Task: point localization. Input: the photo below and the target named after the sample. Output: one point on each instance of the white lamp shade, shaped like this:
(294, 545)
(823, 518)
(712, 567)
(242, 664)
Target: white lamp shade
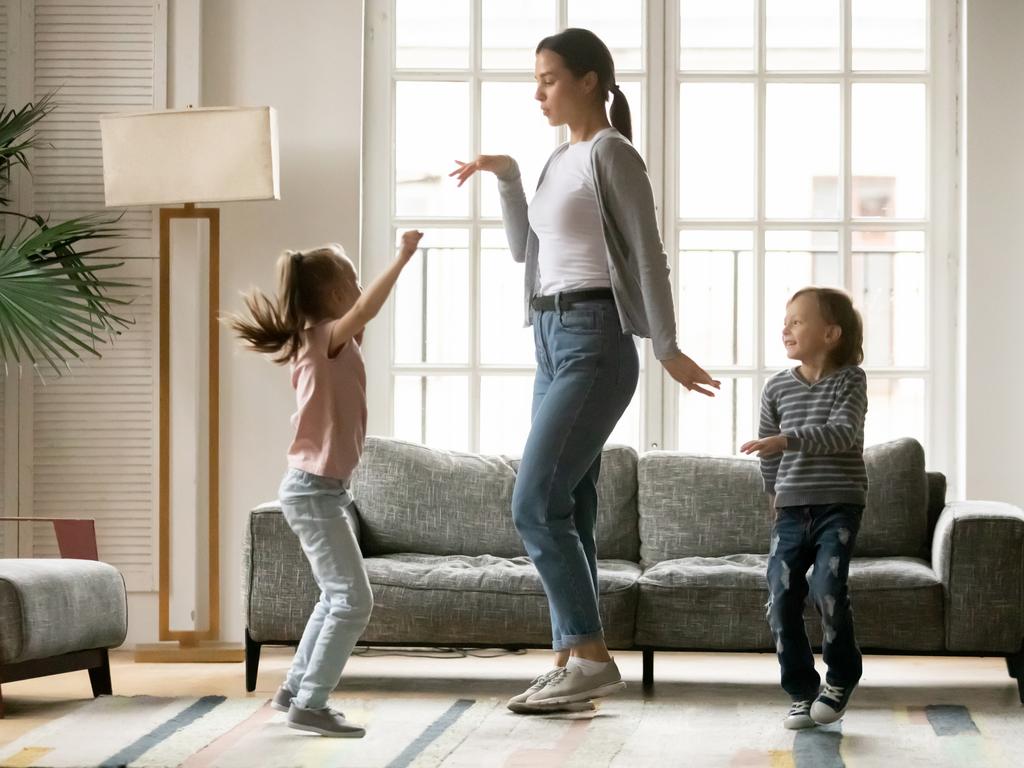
(190, 156)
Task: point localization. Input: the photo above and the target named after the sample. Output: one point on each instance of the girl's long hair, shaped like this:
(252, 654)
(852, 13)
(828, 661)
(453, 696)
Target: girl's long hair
(837, 308)
(306, 281)
(583, 51)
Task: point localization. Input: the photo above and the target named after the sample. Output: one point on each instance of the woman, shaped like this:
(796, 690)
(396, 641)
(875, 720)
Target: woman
(596, 275)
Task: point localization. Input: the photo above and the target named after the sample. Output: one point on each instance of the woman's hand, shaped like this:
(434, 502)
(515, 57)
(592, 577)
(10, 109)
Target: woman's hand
(496, 164)
(767, 446)
(690, 375)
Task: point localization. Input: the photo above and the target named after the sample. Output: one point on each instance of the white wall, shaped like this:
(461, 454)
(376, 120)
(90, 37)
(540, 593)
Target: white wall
(992, 269)
(305, 60)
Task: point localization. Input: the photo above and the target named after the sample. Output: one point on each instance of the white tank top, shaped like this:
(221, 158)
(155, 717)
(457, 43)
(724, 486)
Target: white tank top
(567, 219)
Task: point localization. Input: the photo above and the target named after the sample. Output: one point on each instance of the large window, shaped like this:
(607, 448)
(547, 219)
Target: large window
(790, 142)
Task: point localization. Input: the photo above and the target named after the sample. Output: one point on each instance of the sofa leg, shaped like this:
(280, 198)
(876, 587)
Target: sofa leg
(100, 677)
(1015, 666)
(252, 661)
(648, 669)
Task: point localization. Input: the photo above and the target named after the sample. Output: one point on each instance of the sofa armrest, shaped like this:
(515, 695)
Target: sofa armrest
(978, 554)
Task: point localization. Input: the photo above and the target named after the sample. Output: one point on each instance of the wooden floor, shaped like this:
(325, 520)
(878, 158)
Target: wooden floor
(31, 703)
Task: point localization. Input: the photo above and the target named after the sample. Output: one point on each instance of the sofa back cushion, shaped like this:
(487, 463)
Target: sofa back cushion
(705, 506)
(692, 506)
(417, 499)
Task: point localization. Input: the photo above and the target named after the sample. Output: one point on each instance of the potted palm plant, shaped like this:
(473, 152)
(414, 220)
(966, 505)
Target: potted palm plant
(54, 307)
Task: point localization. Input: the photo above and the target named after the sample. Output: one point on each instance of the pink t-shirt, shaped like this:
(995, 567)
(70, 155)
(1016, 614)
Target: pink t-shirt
(330, 423)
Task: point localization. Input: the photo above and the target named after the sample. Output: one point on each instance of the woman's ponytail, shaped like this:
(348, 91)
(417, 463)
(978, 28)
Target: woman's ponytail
(619, 113)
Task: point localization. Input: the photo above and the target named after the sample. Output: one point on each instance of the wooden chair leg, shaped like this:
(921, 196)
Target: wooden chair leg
(100, 677)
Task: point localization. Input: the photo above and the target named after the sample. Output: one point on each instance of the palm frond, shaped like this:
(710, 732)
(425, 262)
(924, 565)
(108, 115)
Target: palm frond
(53, 306)
(15, 139)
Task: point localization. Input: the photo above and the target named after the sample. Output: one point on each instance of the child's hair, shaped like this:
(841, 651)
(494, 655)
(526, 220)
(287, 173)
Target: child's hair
(306, 281)
(583, 51)
(837, 308)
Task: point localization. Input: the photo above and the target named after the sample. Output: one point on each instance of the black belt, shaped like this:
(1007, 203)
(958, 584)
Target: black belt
(566, 299)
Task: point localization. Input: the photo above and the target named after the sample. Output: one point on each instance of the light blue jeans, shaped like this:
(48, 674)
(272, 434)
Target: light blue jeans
(587, 371)
(317, 510)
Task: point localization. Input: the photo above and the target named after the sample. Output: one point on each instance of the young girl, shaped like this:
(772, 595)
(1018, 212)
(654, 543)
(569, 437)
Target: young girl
(316, 324)
(811, 448)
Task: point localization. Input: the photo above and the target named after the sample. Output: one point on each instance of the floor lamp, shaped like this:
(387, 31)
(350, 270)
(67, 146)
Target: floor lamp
(190, 156)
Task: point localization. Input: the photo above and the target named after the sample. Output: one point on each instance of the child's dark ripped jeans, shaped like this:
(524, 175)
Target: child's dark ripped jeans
(822, 536)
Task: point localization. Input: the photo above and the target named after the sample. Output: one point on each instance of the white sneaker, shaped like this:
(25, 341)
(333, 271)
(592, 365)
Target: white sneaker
(570, 685)
(799, 716)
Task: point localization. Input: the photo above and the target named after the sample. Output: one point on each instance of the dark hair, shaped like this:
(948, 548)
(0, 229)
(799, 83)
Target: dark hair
(583, 51)
(305, 280)
(837, 308)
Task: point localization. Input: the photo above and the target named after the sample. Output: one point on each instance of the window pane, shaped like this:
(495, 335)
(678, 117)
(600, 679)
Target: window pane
(503, 339)
(802, 34)
(716, 150)
(889, 150)
(627, 431)
(433, 410)
(889, 279)
(425, 148)
(505, 403)
(802, 151)
(889, 34)
(619, 24)
(794, 260)
(432, 35)
(719, 425)
(896, 408)
(716, 296)
(511, 123)
(432, 301)
(511, 32)
(716, 35)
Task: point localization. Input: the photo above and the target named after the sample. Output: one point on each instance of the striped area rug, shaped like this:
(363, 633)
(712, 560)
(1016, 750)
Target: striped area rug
(703, 728)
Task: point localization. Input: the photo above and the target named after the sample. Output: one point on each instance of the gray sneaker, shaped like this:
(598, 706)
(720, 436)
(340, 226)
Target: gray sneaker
(571, 685)
(282, 699)
(326, 722)
(538, 682)
(799, 716)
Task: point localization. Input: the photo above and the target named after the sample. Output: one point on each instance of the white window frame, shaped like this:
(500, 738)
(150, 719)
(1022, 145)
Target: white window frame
(659, 418)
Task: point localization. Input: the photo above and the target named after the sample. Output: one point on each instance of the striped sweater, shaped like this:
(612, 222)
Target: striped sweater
(824, 427)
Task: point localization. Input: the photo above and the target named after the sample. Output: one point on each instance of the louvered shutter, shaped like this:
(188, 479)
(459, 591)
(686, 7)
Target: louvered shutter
(93, 434)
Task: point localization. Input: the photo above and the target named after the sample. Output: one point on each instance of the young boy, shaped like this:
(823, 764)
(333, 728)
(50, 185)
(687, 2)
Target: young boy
(811, 445)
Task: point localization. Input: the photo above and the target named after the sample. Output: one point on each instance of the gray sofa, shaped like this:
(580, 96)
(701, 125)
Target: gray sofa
(682, 542)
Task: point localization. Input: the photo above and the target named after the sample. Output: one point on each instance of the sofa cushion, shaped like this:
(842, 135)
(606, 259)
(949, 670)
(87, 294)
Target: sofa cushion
(896, 516)
(49, 607)
(692, 506)
(720, 603)
(483, 600)
(417, 499)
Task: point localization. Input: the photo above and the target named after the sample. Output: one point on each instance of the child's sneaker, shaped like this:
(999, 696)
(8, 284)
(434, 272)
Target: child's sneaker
(326, 722)
(831, 703)
(799, 716)
(282, 699)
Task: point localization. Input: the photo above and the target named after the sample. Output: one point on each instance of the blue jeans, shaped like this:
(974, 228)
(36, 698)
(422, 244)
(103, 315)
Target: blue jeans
(822, 536)
(316, 509)
(587, 371)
